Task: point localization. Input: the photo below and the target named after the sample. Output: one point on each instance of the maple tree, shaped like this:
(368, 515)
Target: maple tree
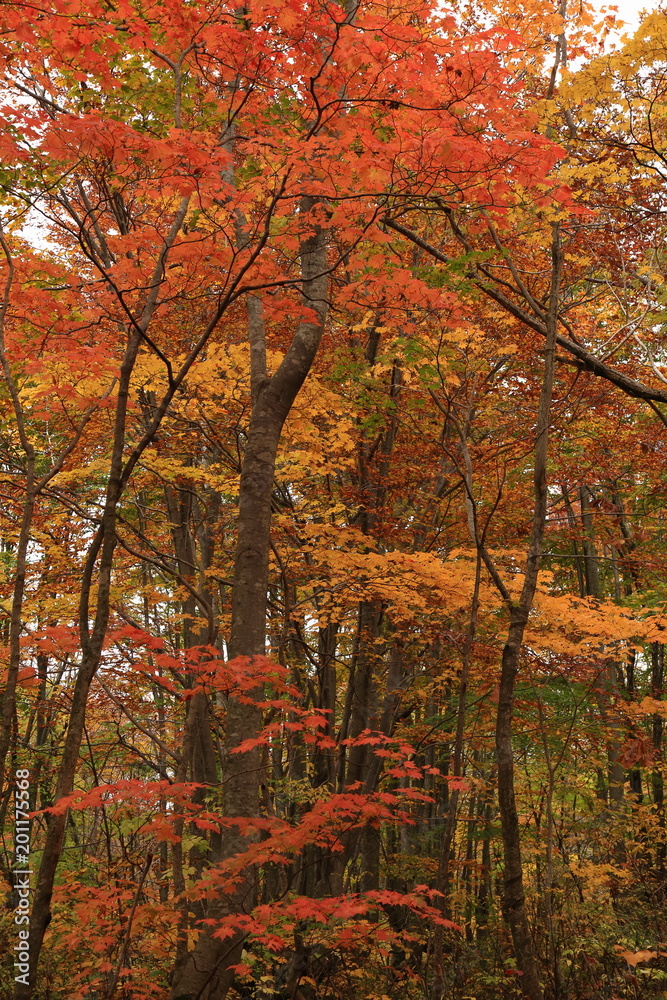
(331, 465)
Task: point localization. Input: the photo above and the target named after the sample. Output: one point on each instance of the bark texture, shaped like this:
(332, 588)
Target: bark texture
(206, 973)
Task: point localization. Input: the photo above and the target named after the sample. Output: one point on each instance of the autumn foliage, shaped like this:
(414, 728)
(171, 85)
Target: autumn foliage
(332, 533)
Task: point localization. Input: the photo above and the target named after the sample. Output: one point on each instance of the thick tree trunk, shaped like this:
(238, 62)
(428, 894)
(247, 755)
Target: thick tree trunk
(206, 973)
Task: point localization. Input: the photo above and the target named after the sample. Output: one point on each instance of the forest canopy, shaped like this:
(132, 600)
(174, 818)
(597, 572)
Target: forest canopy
(333, 452)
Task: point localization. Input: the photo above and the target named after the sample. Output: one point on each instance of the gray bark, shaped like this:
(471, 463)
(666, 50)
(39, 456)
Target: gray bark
(206, 973)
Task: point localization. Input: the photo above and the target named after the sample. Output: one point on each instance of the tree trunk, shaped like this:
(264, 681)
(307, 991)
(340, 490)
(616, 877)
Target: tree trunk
(206, 973)
(443, 877)
(99, 565)
(514, 904)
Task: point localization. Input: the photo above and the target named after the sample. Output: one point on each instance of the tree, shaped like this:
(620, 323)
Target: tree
(182, 168)
(277, 492)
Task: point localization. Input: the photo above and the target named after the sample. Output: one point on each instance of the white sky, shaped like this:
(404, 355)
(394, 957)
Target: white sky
(629, 10)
